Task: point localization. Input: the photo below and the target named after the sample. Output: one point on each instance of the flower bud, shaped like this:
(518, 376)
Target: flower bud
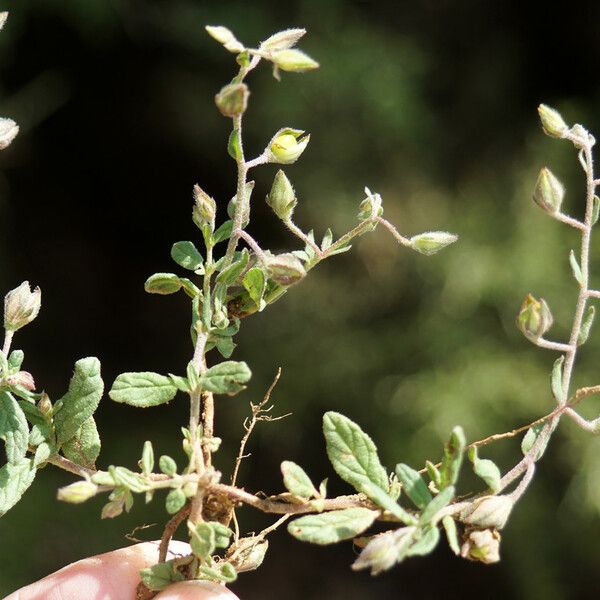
(552, 122)
(293, 60)
(370, 207)
(534, 318)
(247, 554)
(77, 492)
(21, 306)
(581, 137)
(282, 198)
(232, 100)
(8, 132)
(287, 145)
(432, 241)
(488, 512)
(205, 208)
(482, 546)
(3, 17)
(23, 379)
(285, 269)
(232, 205)
(549, 192)
(45, 405)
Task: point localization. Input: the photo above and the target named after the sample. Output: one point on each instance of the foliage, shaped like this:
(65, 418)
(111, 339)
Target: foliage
(232, 284)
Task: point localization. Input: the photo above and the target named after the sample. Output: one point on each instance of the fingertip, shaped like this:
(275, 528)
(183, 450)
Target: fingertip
(196, 590)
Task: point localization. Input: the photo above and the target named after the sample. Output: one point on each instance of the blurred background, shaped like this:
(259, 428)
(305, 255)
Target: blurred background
(432, 103)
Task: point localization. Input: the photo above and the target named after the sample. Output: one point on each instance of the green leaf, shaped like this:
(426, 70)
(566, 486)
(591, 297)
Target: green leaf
(255, 282)
(147, 461)
(223, 232)
(233, 271)
(486, 469)
(442, 499)
(530, 438)
(226, 346)
(297, 481)
(586, 326)
(453, 457)
(225, 572)
(186, 255)
(234, 146)
(595, 210)
(352, 452)
(222, 534)
(15, 360)
(13, 428)
(160, 576)
(127, 479)
(434, 474)
(142, 389)
(426, 543)
(42, 453)
(451, 534)
(84, 447)
(175, 501)
(163, 284)
(167, 465)
(181, 383)
(14, 481)
(81, 401)
(575, 268)
(413, 485)
(556, 379)
(226, 378)
(332, 527)
(202, 540)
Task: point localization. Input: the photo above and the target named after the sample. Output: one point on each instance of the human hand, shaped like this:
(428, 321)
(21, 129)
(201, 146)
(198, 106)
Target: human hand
(115, 576)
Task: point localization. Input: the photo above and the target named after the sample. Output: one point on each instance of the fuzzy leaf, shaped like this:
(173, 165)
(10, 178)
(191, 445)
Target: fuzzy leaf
(233, 271)
(575, 268)
(175, 501)
(82, 399)
(451, 533)
(143, 389)
(84, 447)
(202, 540)
(226, 378)
(332, 527)
(453, 457)
(352, 452)
(556, 379)
(586, 326)
(14, 481)
(441, 500)
(486, 469)
(426, 543)
(186, 255)
(530, 438)
(160, 576)
(297, 481)
(223, 232)
(255, 282)
(413, 485)
(13, 428)
(163, 284)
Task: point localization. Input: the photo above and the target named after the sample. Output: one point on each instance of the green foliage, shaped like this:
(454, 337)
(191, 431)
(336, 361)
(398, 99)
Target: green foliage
(296, 480)
(226, 378)
(186, 255)
(81, 401)
(15, 478)
(143, 389)
(84, 447)
(13, 428)
(332, 527)
(486, 469)
(160, 576)
(413, 485)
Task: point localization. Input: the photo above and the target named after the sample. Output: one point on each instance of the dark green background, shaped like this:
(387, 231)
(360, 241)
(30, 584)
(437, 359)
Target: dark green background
(432, 104)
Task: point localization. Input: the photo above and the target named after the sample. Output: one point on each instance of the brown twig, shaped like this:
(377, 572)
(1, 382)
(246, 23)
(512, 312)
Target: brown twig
(170, 529)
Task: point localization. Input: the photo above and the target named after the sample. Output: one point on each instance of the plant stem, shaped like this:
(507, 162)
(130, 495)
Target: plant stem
(300, 234)
(8, 336)
(253, 245)
(527, 461)
(170, 529)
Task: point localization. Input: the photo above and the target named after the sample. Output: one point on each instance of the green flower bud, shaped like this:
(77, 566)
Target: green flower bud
(232, 205)
(285, 269)
(370, 207)
(488, 512)
(549, 192)
(282, 198)
(77, 492)
(432, 241)
(552, 122)
(482, 546)
(232, 100)
(534, 318)
(581, 136)
(205, 208)
(293, 60)
(287, 145)
(8, 132)
(21, 306)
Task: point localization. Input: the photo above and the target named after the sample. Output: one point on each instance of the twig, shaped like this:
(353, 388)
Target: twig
(543, 343)
(300, 234)
(170, 529)
(569, 221)
(256, 410)
(399, 238)
(253, 244)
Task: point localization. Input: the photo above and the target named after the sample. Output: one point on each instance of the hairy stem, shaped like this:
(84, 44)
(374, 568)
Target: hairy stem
(8, 336)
